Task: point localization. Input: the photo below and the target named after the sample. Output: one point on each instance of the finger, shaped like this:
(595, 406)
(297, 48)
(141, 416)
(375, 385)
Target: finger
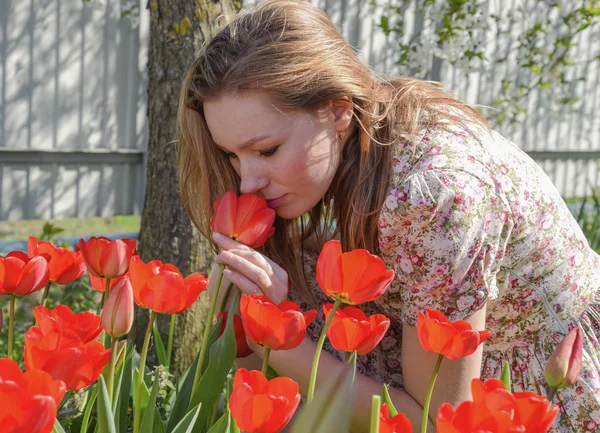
(244, 266)
(227, 243)
(244, 284)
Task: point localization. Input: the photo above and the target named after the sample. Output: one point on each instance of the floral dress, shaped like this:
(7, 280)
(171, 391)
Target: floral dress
(470, 220)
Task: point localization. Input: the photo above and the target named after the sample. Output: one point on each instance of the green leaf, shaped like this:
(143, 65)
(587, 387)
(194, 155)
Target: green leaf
(145, 391)
(187, 423)
(57, 427)
(505, 376)
(160, 347)
(331, 408)
(387, 400)
(210, 386)
(148, 418)
(222, 425)
(385, 24)
(106, 420)
(87, 412)
(212, 338)
(124, 391)
(184, 392)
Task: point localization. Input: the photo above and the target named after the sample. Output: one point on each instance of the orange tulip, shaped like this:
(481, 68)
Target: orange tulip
(63, 345)
(21, 275)
(351, 330)
(245, 219)
(278, 327)
(105, 258)
(117, 314)
(65, 265)
(243, 350)
(564, 365)
(29, 400)
(259, 405)
(161, 287)
(86, 326)
(451, 339)
(354, 277)
(399, 423)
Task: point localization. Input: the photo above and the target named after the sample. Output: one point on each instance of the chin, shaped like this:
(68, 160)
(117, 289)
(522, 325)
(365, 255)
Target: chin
(289, 212)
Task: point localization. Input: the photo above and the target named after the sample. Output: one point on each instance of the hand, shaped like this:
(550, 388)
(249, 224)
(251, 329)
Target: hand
(251, 271)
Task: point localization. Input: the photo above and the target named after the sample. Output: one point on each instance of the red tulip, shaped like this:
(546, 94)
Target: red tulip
(451, 339)
(243, 350)
(354, 277)
(564, 365)
(105, 258)
(399, 423)
(534, 412)
(161, 287)
(278, 327)
(351, 330)
(86, 326)
(65, 265)
(259, 405)
(20, 275)
(29, 400)
(117, 315)
(63, 345)
(99, 283)
(246, 218)
(496, 410)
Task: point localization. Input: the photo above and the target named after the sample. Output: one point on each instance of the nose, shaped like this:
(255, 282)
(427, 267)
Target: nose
(253, 177)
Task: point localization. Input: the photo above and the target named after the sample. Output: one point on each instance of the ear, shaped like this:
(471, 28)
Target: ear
(342, 111)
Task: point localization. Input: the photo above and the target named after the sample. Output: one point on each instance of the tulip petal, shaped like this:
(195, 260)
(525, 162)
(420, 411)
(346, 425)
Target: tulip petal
(329, 268)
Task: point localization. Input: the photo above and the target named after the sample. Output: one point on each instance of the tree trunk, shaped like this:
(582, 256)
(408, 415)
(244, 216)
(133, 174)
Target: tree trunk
(177, 30)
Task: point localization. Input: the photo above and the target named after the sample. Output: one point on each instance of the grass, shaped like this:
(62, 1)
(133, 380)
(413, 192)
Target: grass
(20, 230)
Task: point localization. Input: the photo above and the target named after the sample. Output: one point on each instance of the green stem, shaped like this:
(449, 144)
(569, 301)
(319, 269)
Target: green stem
(375, 409)
(110, 372)
(224, 299)
(11, 325)
(45, 295)
(265, 363)
(351, 359)
(551, 393)
(170, 342)
(105, 338)
(315, 364)
(436, 369)
(138, 396)
(207, 328)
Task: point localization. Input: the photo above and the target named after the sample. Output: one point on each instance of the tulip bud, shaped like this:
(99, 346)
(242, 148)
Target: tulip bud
(117, 315)
(564, 365)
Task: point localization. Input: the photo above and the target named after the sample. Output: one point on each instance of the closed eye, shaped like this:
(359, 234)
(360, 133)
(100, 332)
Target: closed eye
(270, 151)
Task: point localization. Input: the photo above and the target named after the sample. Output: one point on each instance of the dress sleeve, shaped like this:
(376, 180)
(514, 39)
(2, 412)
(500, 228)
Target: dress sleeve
(444, 232)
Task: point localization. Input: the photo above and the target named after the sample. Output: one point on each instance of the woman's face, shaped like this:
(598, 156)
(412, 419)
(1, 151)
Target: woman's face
(289, 159)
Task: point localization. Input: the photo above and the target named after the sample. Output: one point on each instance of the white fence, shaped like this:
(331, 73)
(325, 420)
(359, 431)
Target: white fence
(73, 126)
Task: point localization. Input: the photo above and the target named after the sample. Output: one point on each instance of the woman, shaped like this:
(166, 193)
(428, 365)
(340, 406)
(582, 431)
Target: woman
(279, 105)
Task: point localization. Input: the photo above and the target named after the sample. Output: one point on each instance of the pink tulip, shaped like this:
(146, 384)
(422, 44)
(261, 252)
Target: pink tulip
(117, 315)
(564, 365)
(105, 258)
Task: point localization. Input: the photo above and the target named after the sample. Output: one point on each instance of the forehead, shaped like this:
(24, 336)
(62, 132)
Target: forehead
(233, 118)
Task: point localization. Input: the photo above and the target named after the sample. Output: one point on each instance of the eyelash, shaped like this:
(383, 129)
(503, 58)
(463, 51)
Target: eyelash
(266, 153)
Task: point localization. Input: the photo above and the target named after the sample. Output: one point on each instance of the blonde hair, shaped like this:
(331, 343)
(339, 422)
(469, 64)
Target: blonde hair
(291, 50)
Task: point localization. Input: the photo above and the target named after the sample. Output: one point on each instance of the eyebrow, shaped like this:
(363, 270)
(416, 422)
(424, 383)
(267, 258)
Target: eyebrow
(250, 141)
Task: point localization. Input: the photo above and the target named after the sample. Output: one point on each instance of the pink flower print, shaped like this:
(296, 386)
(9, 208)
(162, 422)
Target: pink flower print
(590, 425)
(471, 158)
(546, 221)
(445, 180)
(440, 270)
(402, 195)
(503, 216)
(435, 150)
(406, 265)
(416, 260)
(526, 195)
(503, 169)
(459, 197)
(579, 390)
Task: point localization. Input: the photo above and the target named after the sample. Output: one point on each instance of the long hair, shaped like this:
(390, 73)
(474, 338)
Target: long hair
(291, 50)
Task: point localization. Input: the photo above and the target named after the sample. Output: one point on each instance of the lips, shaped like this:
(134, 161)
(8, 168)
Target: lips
(274, 202)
